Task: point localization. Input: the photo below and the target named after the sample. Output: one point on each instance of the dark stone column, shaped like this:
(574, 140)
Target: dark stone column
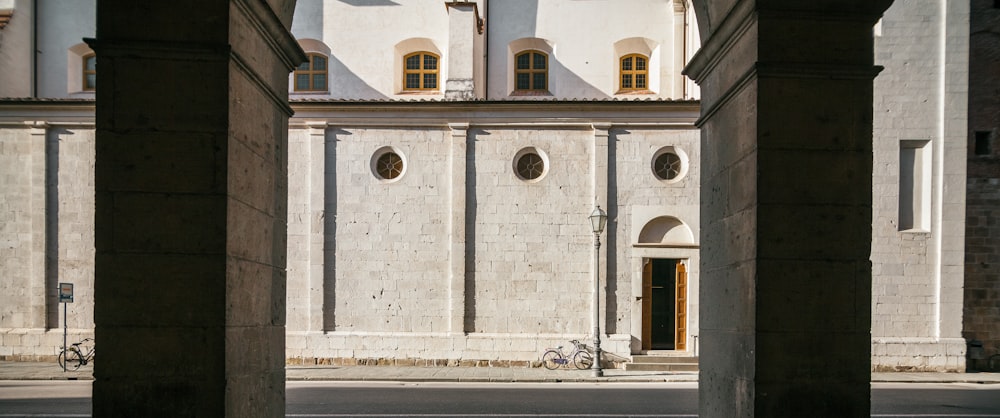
(786, 207)
(191, 203)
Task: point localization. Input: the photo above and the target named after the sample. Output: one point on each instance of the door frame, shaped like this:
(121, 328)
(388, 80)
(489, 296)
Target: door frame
(688, 256)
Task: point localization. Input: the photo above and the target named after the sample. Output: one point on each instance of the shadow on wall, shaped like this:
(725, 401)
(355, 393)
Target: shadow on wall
(308, 22)
(471, 203)
(569, 85)
(359, 3)
(341, 76)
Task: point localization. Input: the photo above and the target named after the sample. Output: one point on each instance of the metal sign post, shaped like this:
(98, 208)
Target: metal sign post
(65, 296)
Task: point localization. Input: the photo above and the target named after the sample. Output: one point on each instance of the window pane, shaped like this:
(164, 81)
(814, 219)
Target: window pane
(91, 63)
(413, 62)
(640, 63)
(301, 82)
(91, 81)
(538, 82)
(539, 61)
(627, 64)
(430, 62)
(303, 66)
(413, 81)
(319, 63)
(626, 81)
(523, 61)
(430, 81)
(640, 81)
(523, 81)
(319, 82)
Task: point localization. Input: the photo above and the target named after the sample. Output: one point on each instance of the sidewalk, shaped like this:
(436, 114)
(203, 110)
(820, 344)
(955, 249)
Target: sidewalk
(51, 371)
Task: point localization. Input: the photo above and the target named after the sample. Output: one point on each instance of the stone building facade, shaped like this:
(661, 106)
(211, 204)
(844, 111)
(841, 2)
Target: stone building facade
(440, 181)
(982, 232)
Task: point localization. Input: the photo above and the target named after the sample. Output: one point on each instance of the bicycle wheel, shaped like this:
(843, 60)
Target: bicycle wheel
(583, 360)
(70, 359)
(550, 359)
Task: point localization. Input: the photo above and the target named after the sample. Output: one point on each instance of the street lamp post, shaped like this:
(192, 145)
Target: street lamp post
(597, 221)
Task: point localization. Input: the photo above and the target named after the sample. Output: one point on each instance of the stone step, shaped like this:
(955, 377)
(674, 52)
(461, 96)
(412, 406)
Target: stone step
(663, 364)
(664, 359)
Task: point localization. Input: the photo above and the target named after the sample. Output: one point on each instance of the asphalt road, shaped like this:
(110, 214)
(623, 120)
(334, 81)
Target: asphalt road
(65, 399)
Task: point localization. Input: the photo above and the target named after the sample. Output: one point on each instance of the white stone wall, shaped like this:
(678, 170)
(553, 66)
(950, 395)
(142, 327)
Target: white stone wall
(918, 274)
(391, 249)
(641, 197)
(21, 269)
(533, 245)
(46, 237)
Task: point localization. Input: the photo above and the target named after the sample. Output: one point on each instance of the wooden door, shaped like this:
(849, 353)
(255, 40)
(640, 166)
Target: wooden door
(647, 305)
(680, 326)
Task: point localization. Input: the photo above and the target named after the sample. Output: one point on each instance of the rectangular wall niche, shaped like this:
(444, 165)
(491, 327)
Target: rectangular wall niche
(914, 185)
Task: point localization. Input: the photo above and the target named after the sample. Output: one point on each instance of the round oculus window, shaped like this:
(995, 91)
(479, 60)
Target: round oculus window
(667, 166)
(389, 165)
(530, 166)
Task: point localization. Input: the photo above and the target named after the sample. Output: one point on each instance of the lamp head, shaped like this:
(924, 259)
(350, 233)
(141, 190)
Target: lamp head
(598, 218)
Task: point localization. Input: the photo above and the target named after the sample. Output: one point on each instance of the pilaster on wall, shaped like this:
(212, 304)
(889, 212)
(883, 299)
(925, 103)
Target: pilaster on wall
(786, 208)
(600, 168)
(317, 224)
(42, 312)
(457, 159)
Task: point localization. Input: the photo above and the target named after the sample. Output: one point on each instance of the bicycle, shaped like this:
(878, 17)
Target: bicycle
(552, 358)
(993, 363)
(76, 356)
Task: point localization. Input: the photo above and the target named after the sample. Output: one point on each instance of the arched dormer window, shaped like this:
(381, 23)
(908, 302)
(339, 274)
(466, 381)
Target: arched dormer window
(531, 71)
(634, 70)
(89, 73)
(312, 75)
(420, 71)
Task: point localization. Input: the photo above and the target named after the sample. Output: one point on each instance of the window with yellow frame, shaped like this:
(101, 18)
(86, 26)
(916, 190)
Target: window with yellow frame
(420, 71)
(312, 75)
(634, 72)
(89, 72)
(531, 71)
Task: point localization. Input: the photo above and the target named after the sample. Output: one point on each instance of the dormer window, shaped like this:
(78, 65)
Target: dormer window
(634, 71)
(531, 70)
(312, 74)
(420, 71)
(89, 80)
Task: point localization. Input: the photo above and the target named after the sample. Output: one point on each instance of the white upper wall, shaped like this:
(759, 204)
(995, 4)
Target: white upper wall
(367, 38)
(62, 25)
(582, 35)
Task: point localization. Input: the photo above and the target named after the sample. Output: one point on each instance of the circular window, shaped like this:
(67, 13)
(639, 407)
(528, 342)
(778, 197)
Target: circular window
(669, 164)
(530, 164)
(388, 164)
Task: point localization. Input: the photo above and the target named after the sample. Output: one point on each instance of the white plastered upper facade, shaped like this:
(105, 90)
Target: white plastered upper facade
(584, 43)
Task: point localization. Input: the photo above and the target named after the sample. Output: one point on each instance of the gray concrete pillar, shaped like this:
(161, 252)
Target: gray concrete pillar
(786, 207)
(192, 123)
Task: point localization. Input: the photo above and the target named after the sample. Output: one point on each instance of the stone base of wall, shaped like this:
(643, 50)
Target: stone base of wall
(35, 344)
(918, 355)
(438, 349)
(411, 362)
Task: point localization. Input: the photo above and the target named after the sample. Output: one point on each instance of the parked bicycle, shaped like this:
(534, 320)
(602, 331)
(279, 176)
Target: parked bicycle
(77, 355)
(581, 358)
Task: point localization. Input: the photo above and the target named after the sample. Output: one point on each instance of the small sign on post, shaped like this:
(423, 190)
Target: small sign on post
(65, 296)
(65, 292)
